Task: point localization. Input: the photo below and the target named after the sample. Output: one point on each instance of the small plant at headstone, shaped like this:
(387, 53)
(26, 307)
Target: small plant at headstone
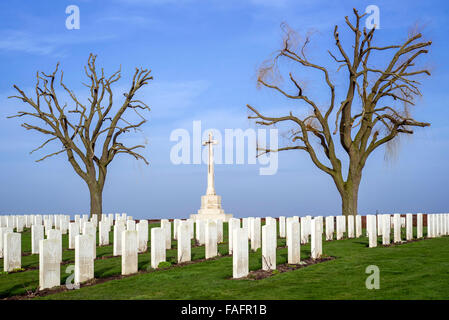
(164, 265)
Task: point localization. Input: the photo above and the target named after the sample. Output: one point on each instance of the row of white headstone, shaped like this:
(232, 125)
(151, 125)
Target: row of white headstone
(10, 241)
(296, 230)
(82, 238)
(384, 224)
(19, 222)
(130, 238)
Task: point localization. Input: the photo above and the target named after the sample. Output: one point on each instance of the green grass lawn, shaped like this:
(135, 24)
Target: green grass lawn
(416, 270)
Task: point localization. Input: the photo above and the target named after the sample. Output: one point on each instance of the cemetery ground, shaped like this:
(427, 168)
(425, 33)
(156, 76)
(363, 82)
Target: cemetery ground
(413, 270)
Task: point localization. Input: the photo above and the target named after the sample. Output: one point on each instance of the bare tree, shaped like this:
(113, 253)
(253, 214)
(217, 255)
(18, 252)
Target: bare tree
(80, 126)
(375, 109)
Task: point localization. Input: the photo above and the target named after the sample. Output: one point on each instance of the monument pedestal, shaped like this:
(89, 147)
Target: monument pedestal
(211, 209)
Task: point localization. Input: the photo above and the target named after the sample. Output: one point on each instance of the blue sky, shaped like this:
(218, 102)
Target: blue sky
(204, 56)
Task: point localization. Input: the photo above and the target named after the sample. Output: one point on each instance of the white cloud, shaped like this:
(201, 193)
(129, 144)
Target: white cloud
(48, 45)
(172, 99)
(129, 19)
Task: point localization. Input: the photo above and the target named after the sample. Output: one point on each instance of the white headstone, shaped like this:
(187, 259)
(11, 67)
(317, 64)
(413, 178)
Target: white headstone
(64, 225)
(433, 226)
(446, 224)
(74, 230)
(49, 263)
(48, 226)
(330, 228)
(316, 243)
(12, 251)
(409, 226)
(211, 239)
(219, 230)
(184, 244)
(240, 253)
(419, 225)
(10, 222)
(57, 220)
(129, 252)
(142, 235)
(250, 223)
(269, 245)
(130, 225)
(84, 259)
(175, 228)
(270, 220)
(294, 242)
(379, 224)
(282, 227)
(397, 228)
(385, 220)
(191, 223)
(341, 221)
(111, 219)
(233, 224)
(351, 226)
(117, 245)
(90, 228)
(358, 226)
(158, 241)
(255, 225)
(372, 230)
(28, 219)
(443, 223)
(37, 234)
(20, 223)
(103, 233)
(304, 230)
(3, 231)
(166, 225)
(56, 235)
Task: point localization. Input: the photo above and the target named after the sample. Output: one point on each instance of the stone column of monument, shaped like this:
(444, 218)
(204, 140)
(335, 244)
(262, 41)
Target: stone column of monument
(211, 202)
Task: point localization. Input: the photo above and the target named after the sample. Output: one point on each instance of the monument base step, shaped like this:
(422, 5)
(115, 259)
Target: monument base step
(224, 216)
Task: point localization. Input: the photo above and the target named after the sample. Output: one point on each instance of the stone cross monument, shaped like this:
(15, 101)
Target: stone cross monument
(210, 203)
(210, 165)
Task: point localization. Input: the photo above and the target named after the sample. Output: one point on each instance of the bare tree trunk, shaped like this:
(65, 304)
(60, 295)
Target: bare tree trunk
(96, 200)
(350, 194)
(349, 203)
